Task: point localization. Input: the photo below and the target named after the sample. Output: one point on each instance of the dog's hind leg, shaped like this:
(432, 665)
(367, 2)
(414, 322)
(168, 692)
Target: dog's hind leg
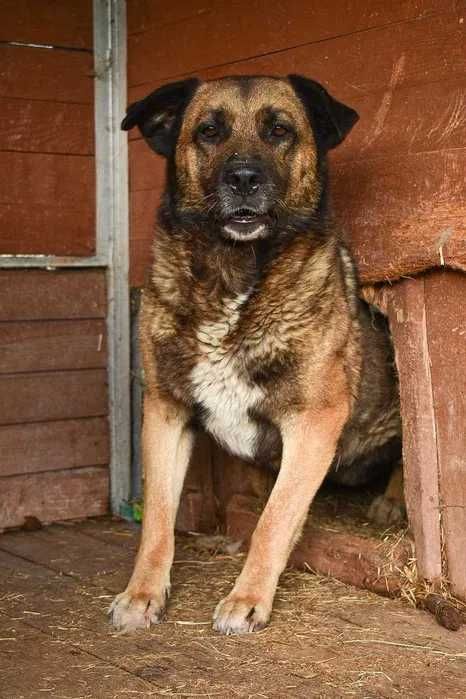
(309, 443)
(166, 446)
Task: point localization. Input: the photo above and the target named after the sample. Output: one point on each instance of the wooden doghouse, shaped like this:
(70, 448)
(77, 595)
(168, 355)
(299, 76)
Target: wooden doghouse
(399, 194)
(398, 190)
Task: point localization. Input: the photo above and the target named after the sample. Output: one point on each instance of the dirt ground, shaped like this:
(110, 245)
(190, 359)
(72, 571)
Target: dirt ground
(325, 640)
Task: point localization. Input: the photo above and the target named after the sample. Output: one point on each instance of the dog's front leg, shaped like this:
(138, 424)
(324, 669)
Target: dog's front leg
(166, 448)
(309, 444)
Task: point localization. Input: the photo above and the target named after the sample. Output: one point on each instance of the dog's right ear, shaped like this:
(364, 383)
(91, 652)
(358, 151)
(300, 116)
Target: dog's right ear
(158, 115)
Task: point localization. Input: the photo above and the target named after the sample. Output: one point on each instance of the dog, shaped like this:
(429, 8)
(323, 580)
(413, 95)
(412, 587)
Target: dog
(251, 324)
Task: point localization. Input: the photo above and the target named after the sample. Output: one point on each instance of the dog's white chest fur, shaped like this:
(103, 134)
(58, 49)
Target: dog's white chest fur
(220, 383)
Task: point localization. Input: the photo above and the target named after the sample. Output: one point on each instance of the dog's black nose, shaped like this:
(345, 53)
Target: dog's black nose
(243, 178)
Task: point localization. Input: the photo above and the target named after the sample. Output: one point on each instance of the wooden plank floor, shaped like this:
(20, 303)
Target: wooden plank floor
(326, 639)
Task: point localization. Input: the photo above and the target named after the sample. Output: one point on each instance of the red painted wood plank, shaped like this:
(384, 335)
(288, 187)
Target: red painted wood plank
(52, 446)
(58, 76)
(446, 333)
(403, 214)
(237, 31)
(52, 345)
(64, 180)
(53, 396)
(35, 294)
(47, 203)
(54, 496)
(47, 22)
(384, 59)
(46, 127)
(146, 170)
(47, 229)
(140, 260)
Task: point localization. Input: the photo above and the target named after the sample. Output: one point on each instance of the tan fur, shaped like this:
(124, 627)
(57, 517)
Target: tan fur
(278, 359)
(308, 438)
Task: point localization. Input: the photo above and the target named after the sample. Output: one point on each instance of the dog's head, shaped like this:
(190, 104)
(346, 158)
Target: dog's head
(245, 153)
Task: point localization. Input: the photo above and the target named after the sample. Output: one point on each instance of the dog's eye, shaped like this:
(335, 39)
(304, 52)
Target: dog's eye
(279, 131)
(208, 131)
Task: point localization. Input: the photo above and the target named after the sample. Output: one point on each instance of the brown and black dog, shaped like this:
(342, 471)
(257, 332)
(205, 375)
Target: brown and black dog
(251, 324)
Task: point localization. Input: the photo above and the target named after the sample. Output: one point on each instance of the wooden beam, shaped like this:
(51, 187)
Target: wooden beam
(445, 297)
(407, 315)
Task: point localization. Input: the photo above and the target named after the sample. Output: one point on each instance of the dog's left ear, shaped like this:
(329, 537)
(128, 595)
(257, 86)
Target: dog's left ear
(159, 114)
(330, 119)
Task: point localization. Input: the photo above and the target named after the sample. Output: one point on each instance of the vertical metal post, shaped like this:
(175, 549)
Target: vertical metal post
(112, 226)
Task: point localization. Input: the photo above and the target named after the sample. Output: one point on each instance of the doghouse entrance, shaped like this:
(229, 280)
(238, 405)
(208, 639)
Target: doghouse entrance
(338, 540)
(223, 494)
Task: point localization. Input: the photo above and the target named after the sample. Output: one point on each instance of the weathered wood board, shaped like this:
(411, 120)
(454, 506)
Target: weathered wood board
(52, 295)
(52, 345)
(68, 494)
(50, 446)
(48, 22)
(58, 395)
(445, 299)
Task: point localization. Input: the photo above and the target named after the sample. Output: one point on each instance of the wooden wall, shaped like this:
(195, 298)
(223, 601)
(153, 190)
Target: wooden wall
(398, 188)
(46, 140)
(54, 442)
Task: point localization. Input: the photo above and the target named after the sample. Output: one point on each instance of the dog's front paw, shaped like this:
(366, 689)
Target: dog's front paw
(241, 614)
(130, 611)
(386, 511)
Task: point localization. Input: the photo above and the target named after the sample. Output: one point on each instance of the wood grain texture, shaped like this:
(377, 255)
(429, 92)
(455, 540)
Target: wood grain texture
(407, 315)
(46, 204)
(52, 345)
(143, 207)
(53, 496)
(50, 75)
(47, 229)
(52, 446)
(445, 298)
(398, 184)
(61, 549)
(47, 22)
(35, 294)
(146, 170)
(66, 181)
(53, 396)
(240, 30)
(403, 214)
(380, 61)
(46, 127)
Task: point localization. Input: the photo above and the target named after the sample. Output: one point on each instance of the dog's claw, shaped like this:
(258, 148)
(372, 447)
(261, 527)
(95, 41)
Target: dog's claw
(129, 612)
(240, 615)
(386, 511)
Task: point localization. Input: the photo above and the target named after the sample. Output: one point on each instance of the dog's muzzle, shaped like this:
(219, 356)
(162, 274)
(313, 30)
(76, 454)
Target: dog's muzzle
(244, 201)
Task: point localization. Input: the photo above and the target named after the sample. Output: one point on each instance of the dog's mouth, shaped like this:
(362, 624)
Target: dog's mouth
(246, 224)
